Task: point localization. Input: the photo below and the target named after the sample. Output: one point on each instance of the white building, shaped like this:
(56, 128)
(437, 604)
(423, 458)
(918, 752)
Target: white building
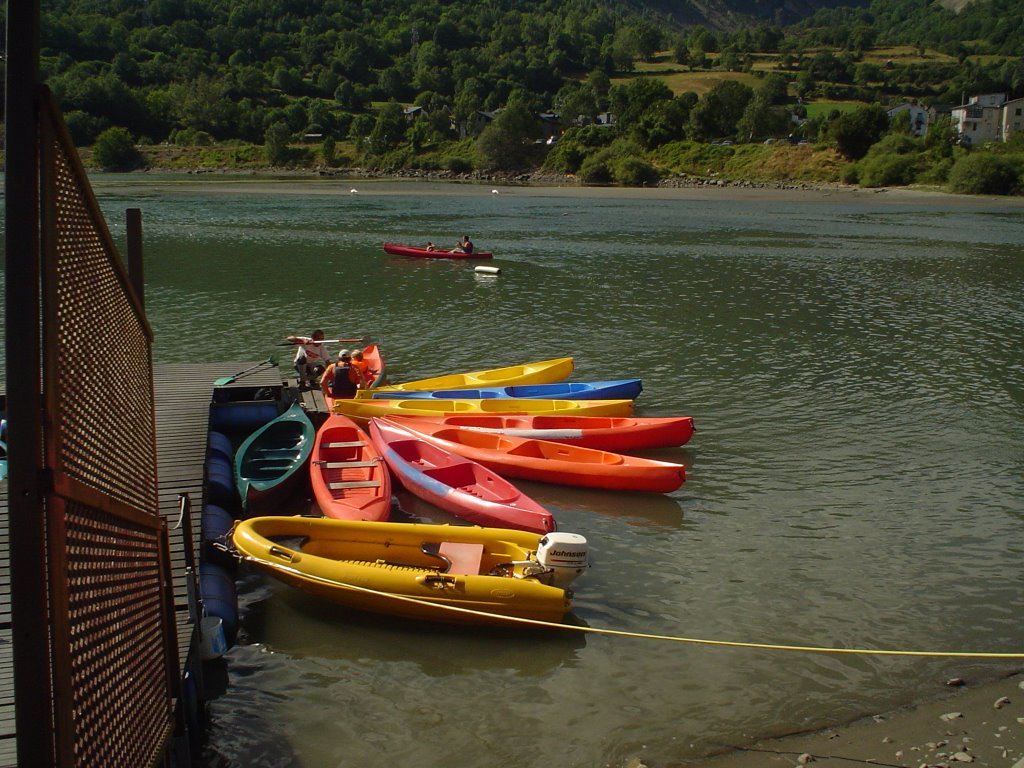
(1013, 118)
(918, 117)
(988, 117)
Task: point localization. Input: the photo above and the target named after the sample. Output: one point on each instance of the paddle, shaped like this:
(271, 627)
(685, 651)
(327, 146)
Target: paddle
(365, 340)
(225, 380)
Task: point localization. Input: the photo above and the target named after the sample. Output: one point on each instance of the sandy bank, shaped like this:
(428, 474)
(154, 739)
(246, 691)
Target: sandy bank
(977, 725)
(298, 184)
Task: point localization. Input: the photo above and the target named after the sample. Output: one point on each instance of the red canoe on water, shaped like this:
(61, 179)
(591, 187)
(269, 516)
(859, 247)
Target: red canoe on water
(605, 433)
(548, 462)
(455, 484)
(349, 477)
(410, 250)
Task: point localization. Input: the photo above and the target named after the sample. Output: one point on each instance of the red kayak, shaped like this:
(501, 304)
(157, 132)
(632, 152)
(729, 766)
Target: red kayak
(547, 462)
(455, 484)
(349, 477)
(604, 433)
(438, 253)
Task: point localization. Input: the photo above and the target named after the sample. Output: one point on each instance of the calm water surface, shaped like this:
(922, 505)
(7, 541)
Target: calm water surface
(855, 368)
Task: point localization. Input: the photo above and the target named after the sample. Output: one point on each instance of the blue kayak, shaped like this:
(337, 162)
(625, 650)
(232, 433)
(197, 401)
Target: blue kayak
(622, 389)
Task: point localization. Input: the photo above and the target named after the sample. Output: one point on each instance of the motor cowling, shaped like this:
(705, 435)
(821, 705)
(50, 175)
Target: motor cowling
(565, 554)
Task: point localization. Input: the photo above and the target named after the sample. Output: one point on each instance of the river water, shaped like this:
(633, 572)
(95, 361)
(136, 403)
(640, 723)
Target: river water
(855, 367)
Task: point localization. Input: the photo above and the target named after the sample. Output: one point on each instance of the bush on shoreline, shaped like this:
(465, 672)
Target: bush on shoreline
(897, 160)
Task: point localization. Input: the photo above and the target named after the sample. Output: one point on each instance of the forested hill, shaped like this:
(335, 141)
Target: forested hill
(229, 69)
(730, 15)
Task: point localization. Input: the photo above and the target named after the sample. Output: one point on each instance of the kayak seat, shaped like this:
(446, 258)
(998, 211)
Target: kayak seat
(457, 557)
(465, 557)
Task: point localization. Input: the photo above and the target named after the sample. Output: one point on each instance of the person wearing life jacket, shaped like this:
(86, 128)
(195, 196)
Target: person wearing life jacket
(362, 374)
(337, 381)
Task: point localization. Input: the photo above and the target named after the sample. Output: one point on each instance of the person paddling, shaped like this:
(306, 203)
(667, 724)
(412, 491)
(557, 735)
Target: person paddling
(466, 246)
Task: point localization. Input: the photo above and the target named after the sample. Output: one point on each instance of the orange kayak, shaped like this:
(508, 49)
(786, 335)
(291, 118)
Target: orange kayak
(377, 371)
(548, 462)
(606, 433)
(456, 484)
(349, 477)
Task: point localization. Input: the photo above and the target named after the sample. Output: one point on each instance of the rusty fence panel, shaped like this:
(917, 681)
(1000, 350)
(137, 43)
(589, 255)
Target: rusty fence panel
(113, 675)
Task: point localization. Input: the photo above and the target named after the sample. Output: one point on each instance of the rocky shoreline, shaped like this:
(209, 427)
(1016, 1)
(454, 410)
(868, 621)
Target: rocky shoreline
(679, 181)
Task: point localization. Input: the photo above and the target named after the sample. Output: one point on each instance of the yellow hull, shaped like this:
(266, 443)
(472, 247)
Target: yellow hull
(363, 410)
(382, 568)
(541, 372)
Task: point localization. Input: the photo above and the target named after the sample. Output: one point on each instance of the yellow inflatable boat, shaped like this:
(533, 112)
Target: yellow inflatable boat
(444, 573)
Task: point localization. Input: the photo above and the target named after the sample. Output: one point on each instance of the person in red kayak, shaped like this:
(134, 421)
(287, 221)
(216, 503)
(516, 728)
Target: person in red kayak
(466, 246)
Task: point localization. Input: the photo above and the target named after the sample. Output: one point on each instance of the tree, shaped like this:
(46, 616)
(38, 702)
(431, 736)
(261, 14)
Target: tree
(115, 150)
(717, 115)
(275, 143)
(629, 102)
(854, 132)
(389, 129)
(761, 120)
(507, 143)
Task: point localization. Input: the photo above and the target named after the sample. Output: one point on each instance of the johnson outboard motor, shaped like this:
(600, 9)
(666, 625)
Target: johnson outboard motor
(564, 557)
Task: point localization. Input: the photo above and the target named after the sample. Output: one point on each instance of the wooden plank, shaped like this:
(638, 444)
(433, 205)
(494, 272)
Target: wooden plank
(354, 484)
(346, 464)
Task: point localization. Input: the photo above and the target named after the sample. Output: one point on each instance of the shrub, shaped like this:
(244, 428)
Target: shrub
(458, 165)
(883, 170)
(980, 173)
(115, 150)
(596, 169)
(634, 172)
(565, 157)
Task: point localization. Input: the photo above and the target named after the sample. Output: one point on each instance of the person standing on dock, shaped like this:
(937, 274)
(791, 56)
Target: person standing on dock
(310, 357)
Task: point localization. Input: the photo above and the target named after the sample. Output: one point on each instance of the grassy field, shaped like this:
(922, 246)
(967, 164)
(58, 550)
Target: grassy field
(750, 162)
(681, 80)
(824, 108)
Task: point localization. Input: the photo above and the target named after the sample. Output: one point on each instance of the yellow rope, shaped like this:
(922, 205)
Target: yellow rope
(649, 636)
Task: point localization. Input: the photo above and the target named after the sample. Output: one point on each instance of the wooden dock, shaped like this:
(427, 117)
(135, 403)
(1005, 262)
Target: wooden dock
(184, 392)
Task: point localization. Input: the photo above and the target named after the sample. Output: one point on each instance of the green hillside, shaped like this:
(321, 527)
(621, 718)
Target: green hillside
(335, 82)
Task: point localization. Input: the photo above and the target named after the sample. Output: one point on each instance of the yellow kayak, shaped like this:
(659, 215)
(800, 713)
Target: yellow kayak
(372, 566)
(363, 410)
(541, 372)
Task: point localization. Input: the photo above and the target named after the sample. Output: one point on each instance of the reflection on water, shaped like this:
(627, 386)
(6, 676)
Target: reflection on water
(853, 366)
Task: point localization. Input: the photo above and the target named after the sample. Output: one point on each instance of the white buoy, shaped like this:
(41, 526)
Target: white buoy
(487, 270)
(353, 191)
(494, 192)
